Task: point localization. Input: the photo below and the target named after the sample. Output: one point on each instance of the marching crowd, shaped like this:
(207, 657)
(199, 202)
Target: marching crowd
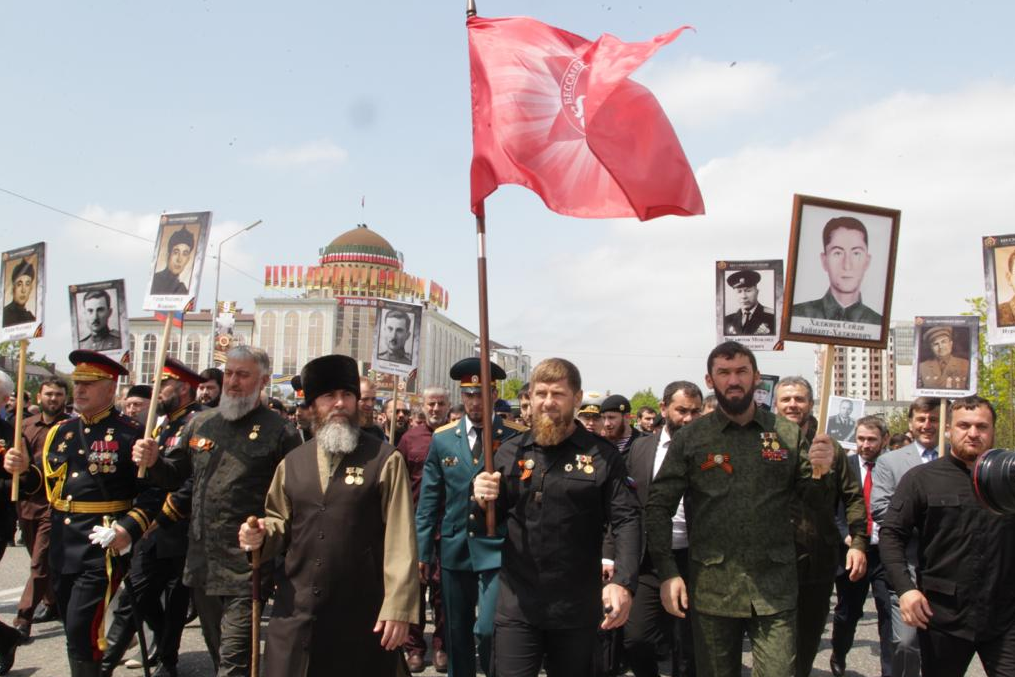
(603, 539)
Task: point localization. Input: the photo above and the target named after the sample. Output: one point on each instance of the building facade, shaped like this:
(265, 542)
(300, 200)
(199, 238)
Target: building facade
(873, 375)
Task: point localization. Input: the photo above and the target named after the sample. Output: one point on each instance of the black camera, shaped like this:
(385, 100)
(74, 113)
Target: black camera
(994, 480)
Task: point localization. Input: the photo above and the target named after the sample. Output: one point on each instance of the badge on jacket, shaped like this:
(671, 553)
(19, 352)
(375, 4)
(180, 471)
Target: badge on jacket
(771, 449)
(354, 475)
(450, 461)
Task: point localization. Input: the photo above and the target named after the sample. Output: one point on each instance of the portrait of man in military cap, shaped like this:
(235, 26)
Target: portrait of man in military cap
(21, 280)
(178, 251)
(22, 285)
(840, 272)
(943, 357)
(749, 317)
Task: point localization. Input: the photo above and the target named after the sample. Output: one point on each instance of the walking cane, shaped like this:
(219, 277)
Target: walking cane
(255, 624)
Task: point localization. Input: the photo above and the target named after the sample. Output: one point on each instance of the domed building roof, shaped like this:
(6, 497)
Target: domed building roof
(361, 245)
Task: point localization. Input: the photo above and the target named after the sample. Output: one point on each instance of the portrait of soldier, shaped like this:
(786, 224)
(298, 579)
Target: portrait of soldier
(942, 369)
(842, 426)
(179, 249)
(750, 318)
(1006, 309)
(97, 309)
(22, 282)
(395, 333)
(845, 258)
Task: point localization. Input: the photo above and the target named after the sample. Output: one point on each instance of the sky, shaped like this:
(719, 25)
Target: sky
(296, 113)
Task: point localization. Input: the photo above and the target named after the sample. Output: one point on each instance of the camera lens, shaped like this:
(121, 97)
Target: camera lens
(994, 480)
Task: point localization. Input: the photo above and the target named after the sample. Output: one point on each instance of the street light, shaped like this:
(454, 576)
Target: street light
(218, 275)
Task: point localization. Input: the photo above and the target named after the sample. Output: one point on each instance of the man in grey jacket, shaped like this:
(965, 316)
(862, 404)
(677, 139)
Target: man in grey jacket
(923, 425)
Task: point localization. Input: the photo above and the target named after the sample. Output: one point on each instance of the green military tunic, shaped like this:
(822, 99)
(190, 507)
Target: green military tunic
(827, 308)
(951, 373)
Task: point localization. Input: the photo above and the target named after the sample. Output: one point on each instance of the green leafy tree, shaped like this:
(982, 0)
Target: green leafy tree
(644, 398)
(509, 388)
(996, 377)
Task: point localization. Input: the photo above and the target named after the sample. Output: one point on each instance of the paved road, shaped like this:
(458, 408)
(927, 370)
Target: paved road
(45, 656)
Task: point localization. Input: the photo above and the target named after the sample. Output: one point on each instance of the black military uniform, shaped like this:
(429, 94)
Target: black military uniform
(222, 470)
(91, 482)
(158, 560)
(557, 502)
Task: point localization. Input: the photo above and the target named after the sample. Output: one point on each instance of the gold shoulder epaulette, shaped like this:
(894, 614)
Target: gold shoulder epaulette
(446, 426)
(515, 426)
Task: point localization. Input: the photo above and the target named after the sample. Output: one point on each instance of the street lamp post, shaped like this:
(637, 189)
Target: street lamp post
(218, 276)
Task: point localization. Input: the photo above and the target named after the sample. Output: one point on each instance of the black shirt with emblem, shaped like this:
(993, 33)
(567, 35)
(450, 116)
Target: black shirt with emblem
(557, 502)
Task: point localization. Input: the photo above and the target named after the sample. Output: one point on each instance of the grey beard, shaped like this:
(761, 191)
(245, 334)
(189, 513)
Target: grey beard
(234, 408)
(337, 437)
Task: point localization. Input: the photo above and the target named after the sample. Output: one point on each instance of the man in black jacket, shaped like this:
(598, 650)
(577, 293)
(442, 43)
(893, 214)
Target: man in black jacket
(963, 601)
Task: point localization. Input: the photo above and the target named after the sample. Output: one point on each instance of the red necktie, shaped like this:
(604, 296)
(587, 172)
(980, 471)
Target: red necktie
(868, 482)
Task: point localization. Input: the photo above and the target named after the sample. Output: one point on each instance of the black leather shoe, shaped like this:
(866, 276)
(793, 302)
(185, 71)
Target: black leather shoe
(9, 640)
(45, 614)
(24, 633)
(165, 670)
(837, 666)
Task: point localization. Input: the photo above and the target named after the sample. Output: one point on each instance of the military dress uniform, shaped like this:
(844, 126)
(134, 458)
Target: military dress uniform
(219, 472)
(469, 559)
(158, 561)
(91, 481)
(740, 482)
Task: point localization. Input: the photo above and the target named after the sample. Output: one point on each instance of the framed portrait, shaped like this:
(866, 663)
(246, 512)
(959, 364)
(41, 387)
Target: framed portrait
(764, 394)
(843, 413)
(947, 351)
(23, 290)
(98, 317)
(396, 337)
(748, 301)
(178, 261)
(840, 272)
(999, 281)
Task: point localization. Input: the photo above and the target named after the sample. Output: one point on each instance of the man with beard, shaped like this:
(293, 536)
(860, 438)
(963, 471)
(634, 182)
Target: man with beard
(97, 305)
(156, 568)
(469, 559)
(963, 601)
(34, 511)
(222, 464)
(400, 417)
(415, 446)
(179, 249)
(347, 602)
(818, 542)
(557, 488)
(649, 626)
(304, 416)
(137, 402)
(210, 390)
(616, 428)
(99, 506)
(923, 425)
(741, 468)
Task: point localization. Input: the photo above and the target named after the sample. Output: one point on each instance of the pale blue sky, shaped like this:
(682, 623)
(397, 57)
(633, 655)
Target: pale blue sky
(290, 112)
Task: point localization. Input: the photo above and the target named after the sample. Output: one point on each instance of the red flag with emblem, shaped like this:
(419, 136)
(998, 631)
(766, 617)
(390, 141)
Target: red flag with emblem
(557, 114)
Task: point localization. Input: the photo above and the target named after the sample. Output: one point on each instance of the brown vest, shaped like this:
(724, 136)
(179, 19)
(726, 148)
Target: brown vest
(326, 606)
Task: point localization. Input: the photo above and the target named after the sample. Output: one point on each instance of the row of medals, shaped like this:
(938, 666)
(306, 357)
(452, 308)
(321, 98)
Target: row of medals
(582, 462)
(354, 475)
(103, 465)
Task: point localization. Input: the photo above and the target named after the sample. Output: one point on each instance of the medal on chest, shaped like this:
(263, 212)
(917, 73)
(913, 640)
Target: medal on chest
(254, 432)
(526, 465)
(103, 456)
(771, 449)
(354, 475)
(582, 463)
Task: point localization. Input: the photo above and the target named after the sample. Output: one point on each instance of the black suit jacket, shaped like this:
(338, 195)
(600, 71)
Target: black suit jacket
(640, 462)
(853, 466)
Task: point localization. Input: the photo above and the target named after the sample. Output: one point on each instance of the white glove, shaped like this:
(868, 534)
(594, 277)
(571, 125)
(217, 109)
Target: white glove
(104, 536)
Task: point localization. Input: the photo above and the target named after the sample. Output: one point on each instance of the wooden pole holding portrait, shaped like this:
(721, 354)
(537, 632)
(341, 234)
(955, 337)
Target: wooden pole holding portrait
(160, 363)
(840, 273)
(22, 293)
(394, 413)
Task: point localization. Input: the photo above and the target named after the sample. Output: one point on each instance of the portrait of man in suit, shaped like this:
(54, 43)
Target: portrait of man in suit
(1006, 308)
(179, 250)
(845, 258)
(750, 317)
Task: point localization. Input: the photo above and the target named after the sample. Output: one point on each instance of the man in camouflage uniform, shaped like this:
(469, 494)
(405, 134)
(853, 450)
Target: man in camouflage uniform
(740, 468)
(222, 465)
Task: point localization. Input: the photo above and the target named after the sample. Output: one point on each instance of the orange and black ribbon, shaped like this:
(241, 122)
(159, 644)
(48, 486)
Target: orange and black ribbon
(721, 460)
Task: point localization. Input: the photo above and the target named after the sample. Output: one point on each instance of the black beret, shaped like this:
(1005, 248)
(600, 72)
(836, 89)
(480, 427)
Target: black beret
(144, 392)
(744, 278)
(502, 406)
(327, 373)
(467, 371)
(182, 236)
(616, 403)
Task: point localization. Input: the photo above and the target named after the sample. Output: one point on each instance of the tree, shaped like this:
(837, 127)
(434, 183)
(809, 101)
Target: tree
(509, 388)
(996, 377)
(644, 398)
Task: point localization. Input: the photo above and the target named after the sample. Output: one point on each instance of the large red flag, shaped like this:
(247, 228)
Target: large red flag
(557, 114)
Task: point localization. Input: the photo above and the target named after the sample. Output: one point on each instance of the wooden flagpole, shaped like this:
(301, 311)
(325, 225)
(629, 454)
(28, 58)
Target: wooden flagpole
(19, 413)
(160, 363)
(826, 388)
(394, 414)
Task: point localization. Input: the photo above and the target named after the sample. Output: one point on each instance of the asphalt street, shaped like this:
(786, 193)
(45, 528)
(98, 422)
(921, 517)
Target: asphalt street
(45, 655)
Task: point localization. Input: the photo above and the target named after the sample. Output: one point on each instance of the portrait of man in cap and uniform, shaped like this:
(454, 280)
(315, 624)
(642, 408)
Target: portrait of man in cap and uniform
(178, 252)
(22, 285)
(750, 317)
(940, 368)
(177, 261)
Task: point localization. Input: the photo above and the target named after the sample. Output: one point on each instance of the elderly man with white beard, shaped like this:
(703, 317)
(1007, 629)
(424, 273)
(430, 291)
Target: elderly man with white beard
(348, 599)
(220, 467)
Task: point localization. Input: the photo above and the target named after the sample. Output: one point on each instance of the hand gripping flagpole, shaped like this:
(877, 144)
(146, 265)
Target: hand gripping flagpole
(484, 340)
(826, 391)
(160, 364)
